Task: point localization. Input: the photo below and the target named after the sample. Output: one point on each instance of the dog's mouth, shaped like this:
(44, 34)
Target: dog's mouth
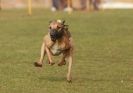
(55, 34)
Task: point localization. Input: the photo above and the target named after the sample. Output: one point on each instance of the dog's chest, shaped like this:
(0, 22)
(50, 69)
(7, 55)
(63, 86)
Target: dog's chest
(56, 49)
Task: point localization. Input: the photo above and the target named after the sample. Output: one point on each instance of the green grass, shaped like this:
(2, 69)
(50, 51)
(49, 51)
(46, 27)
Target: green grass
(103, 58)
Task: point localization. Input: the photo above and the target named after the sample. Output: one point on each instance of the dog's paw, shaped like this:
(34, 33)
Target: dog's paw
(69, 81)
(52, 63)
(36, 64)
(62, 63)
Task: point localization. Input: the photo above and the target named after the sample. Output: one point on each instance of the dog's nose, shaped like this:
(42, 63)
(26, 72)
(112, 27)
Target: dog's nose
(53, 32)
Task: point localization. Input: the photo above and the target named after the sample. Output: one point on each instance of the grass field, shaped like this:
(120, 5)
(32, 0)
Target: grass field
(103, 59)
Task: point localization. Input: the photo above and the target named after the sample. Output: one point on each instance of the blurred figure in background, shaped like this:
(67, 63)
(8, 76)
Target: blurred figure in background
(93, 3)
(69, 6)
(55, 5)
(83, 4)
(61, 5)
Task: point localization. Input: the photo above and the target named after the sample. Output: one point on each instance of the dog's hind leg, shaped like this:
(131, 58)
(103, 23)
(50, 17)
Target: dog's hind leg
(70, 60)
(69, 77)
(63, 61)
(43, 52)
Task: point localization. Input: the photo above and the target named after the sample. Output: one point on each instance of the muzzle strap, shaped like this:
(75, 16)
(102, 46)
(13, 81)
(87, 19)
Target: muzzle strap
(55, 34)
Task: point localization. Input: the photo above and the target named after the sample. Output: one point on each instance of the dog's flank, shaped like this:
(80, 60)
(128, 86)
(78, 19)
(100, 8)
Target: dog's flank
(57, 41)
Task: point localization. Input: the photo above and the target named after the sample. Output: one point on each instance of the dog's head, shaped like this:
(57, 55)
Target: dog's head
(56, 29)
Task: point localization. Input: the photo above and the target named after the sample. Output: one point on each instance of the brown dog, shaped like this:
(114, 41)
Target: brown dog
(57, 41)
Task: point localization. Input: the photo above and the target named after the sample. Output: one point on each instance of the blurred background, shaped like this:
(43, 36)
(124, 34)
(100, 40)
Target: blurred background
(103, 56)
(68, 5)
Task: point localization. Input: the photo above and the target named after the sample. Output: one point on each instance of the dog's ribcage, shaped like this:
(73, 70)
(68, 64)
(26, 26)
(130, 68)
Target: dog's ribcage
(55, 49)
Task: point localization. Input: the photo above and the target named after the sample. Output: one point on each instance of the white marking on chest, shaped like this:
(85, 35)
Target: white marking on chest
(55, 49)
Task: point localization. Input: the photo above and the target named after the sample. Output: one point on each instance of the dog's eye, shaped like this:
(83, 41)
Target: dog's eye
(58, 27)
(50, 27)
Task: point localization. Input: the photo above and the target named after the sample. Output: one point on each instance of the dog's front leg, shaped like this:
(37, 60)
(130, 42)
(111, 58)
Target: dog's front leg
(43, 52)
(49, 56)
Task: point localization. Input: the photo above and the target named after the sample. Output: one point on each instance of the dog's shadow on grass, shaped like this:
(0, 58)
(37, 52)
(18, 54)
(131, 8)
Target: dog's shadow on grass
(52, 79)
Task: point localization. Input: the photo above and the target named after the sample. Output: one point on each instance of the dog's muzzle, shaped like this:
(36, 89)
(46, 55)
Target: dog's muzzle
(55, 34)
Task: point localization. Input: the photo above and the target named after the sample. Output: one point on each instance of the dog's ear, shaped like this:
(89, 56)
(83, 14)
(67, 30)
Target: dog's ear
(63, 22)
